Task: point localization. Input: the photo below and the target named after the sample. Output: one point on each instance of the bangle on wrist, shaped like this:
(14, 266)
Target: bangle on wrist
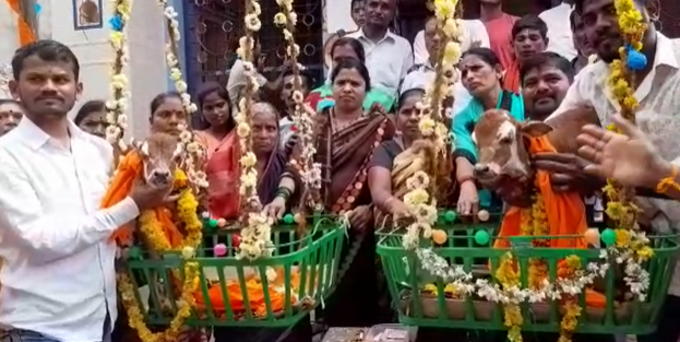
(468, 178)
(284, 193)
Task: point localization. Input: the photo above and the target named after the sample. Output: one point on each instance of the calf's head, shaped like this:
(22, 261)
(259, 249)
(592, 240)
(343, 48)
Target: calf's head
(160, 153)
(502, 151)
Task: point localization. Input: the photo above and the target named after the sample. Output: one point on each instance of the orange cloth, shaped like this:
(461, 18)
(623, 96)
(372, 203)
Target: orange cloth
(277, 297)
(511, 78)
(566, 216)
(129, 170)
(26, 35)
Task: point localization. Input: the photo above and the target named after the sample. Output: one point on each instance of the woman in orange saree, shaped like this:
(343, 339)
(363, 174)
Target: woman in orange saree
(347, 138)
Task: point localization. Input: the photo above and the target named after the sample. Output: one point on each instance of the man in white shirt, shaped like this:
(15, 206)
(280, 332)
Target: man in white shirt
(559, 29)
(474, 35)
(656, 88)
(388, 56)
(238, 77)
(58, 278)
(421, 76)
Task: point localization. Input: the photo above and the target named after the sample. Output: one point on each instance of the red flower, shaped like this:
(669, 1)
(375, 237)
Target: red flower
(293, 128)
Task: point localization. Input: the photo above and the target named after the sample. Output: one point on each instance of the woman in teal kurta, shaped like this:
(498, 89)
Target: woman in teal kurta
(481, 74)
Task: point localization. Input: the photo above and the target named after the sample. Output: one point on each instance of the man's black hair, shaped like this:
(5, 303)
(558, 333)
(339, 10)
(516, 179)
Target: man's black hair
(311, 82)
(530, 22)
(47, 50)
(578, 4)
(88, 108)
(544, 59)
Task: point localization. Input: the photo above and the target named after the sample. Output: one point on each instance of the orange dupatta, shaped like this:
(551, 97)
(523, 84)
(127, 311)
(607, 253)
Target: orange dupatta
(129, 170)
(565, 213)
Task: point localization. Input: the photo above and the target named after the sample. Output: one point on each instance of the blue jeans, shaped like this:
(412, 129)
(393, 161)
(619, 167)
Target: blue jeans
(21, 335)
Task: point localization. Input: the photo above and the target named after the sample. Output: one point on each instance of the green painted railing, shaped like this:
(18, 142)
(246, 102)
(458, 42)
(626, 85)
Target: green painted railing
(314, 259)
(621, 315)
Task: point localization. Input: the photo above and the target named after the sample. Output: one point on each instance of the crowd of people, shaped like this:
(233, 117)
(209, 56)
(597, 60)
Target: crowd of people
(58, 277)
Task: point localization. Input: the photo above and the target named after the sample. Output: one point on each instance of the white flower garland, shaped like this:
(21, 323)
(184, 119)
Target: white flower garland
(116, 119)
(193, 162)
(303, 118)
(421, 204)
(256, 232)
(465, 284)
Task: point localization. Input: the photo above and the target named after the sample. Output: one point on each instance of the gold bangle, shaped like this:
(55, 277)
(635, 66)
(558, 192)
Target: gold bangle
(668, 182)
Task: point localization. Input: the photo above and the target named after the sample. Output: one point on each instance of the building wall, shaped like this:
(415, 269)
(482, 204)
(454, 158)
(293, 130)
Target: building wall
(146, 70)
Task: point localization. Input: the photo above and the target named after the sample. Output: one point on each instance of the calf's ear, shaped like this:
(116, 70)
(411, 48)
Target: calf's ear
(535, 129)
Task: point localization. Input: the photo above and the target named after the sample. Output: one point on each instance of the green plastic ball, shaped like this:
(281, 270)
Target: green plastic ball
(450, 216)
(212, 223)
(135, 253)
(482, 237)
(288, 219)
(608, 237)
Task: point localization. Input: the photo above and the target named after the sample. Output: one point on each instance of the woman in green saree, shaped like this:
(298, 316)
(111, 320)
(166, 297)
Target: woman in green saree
(347, 139)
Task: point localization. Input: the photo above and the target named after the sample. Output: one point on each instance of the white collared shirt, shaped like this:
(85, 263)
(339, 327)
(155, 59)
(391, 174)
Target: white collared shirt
(658, 116)
(388, 61)
(58, 277)
(560, 39)
(474, 31)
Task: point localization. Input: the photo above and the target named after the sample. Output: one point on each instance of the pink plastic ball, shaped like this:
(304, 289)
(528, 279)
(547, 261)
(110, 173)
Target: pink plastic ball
(220, 249)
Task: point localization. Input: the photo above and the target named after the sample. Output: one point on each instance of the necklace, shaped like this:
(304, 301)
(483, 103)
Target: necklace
(336, 126)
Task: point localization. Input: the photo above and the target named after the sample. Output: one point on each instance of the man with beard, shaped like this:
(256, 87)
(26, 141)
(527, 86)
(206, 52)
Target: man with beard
(581, 43)
(546, 78)
(388, 56)
(58, 278)
(657, 87)
(529, 37)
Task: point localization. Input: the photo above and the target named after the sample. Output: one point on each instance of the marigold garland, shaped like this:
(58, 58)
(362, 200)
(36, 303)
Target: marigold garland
(116, 106)
(632, 249)
(187, 207)
(508, 276)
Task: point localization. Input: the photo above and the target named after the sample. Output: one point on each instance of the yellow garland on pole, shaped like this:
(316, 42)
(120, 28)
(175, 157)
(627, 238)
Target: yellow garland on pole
(256, 232)
(620, 207)
(431, 122)
(116, 106)
(187, 207)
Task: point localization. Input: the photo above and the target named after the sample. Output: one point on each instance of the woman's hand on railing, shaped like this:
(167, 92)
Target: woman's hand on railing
(361, 217)
(276, 208)
(468, 202)
(397, 208)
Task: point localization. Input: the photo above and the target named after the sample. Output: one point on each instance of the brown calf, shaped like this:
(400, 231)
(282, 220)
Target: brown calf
(161, 154)
(503, 153)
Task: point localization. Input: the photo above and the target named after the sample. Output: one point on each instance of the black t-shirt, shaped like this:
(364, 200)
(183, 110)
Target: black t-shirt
(385, 153)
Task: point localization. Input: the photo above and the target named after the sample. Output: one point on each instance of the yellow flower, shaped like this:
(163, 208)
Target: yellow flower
(280, 19)
(450, 27)
(622, 238)
(175, 74)
(243, 130)
(249, 159)
(415, 197)
(452, 53)
(426, 126)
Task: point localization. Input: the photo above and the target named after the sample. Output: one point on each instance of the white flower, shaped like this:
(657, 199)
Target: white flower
(249, 159)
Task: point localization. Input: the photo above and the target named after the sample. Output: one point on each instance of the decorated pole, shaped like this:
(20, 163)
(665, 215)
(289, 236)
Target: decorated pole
(303, 117)
(421, 199)
(256, 232)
